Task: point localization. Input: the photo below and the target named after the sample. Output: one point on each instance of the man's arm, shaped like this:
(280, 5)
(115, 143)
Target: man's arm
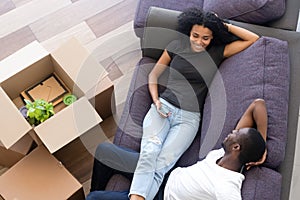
(256, 113)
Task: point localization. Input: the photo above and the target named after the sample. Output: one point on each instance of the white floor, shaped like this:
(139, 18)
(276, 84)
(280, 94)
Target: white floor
(295, 185)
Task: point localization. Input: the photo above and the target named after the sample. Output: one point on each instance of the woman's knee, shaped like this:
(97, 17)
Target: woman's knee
(151, 147)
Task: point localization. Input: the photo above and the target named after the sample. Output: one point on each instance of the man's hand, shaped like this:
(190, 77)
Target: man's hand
(261, 161)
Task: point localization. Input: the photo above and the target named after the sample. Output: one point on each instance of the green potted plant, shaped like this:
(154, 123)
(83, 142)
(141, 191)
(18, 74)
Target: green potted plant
(38, 111)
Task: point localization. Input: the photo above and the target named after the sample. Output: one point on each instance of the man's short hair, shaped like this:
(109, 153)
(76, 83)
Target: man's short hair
(252, 146)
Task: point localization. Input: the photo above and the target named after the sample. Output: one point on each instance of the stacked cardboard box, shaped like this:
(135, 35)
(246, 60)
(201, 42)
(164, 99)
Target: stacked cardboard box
(39, 175)
(28, 150)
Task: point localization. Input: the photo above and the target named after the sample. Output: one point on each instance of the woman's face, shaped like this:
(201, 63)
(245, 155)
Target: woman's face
(200, 38)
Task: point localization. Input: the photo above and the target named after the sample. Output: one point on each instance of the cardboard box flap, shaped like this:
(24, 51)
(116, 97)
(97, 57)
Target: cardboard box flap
(79, 64)
(13, 125)
(21, 59)
(103, 85)
(39, 175)
(11, 156)
(68, 124)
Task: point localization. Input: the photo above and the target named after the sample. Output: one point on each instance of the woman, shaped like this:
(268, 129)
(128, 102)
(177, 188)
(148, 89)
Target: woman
(173, 119)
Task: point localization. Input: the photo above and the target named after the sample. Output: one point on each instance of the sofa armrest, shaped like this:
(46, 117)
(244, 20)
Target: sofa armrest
(289, 20)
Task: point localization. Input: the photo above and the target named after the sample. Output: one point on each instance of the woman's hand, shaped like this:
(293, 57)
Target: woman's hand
(157, 104)
(227, 25)
(159, 109)
(261, 161)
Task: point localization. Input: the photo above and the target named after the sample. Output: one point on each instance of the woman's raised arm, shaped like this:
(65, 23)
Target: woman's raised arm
(247, 38)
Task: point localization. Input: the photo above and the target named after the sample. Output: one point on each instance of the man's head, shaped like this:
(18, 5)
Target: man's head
(247, 142)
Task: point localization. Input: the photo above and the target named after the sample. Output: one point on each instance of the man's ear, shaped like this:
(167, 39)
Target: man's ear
(236, 147)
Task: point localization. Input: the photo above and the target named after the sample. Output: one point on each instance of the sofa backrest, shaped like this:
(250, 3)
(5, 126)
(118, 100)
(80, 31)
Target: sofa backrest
(256, 12)
(281, 14)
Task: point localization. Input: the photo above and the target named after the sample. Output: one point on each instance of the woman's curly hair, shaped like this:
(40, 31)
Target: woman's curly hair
(196, 16)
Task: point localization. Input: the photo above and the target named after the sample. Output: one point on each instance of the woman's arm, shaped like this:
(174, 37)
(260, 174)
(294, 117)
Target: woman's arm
(247, 38)
(158, 69)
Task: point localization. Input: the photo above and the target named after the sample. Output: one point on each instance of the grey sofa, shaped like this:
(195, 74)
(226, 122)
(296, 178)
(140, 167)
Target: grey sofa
(268, 69)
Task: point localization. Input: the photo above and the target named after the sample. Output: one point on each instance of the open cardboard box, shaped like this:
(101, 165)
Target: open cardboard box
(78, 71)
(84, 78)
(21, 148)
(37, 176)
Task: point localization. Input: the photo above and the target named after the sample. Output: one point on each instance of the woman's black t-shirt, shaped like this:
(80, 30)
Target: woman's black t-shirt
(190, 74)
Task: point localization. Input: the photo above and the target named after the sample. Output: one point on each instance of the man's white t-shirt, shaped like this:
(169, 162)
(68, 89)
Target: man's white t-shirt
(204, 180)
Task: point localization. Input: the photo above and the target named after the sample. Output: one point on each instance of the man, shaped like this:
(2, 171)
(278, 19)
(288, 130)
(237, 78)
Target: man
(218, 176)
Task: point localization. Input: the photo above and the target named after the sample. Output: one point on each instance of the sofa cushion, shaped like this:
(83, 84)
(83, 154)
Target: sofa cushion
(260, 71)
(143, 7)
(257, 12)
(261, 183)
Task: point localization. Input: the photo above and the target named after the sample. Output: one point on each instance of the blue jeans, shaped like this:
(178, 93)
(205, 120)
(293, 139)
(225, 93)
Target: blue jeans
(111, 159)
(164, 141)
